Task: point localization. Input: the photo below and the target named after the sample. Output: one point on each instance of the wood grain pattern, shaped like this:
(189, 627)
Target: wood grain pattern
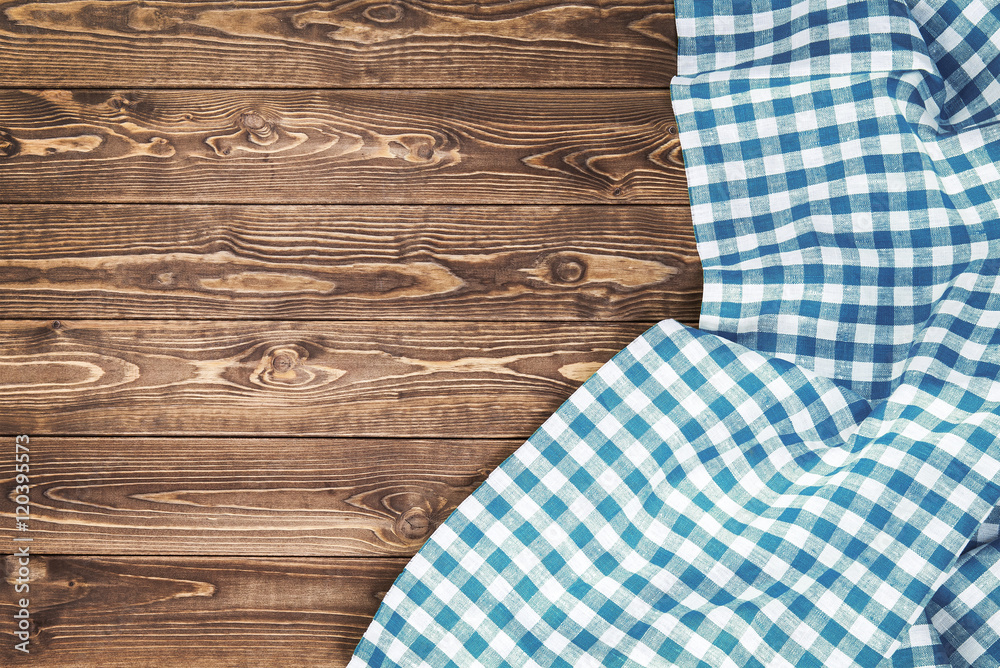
(340, 147)
(347, 43)
(257, 497)
(346, 379)
(107, 612)
(349, 262)
(315, 226)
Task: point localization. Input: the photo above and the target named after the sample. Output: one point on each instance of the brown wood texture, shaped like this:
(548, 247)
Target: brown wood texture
(283, 282)
(222, 612)
(253, 497)
(349, 262)
(360, 43)
(340, 147)
(344, 379)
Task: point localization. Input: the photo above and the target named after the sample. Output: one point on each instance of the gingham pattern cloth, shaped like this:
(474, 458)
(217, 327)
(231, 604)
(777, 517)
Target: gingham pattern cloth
(812, 477)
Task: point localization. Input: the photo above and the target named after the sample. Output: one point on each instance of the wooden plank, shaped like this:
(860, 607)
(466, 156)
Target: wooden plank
(306, 43)
(349, 262)
(374, 379)
(188, 612)
(253, 497)
(340, 147)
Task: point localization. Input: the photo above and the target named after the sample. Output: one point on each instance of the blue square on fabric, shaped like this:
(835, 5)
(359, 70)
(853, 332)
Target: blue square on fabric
(526, 533)
(498, 560)
(581, 425)
(447, 618)
(395, 623)
(584, 640)
(529, 643)
(554, 507)
(473, 589)
(500, 615)
(476, 644)
(419, 592)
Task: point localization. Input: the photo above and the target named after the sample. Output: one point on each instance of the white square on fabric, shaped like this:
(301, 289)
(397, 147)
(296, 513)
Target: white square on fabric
(502, 643)
(863, 630)
(420, 620)
(579, 563)
(526, 507)
(556, 642)
(471, 562)
(610, 373)
(638, 400)
(609, 426)
(499, 588)
(555, 426)
(554, 480)
(887, 595)
(498, 534)
(582, 398)
(554, 534)
(418, 567)
(639, 348)
(582, 614)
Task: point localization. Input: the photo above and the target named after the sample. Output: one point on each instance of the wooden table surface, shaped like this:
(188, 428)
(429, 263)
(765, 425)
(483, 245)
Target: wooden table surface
(282, 282)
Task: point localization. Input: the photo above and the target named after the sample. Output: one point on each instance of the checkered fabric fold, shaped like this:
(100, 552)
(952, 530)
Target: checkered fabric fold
(812, 477)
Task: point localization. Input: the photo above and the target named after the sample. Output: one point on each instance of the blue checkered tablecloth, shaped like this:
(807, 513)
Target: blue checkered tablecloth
(812, 477)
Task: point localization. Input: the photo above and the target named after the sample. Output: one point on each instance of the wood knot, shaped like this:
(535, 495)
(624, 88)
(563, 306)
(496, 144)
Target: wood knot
(257, 127)
(412, 147)
(9, 147)
(384, 13)
(160, 146)
(425, 151)
(281, 366)
(413, 524)
(283, 361)
(569, 270)
(252, 121)
(286, 367)
(119, 102)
